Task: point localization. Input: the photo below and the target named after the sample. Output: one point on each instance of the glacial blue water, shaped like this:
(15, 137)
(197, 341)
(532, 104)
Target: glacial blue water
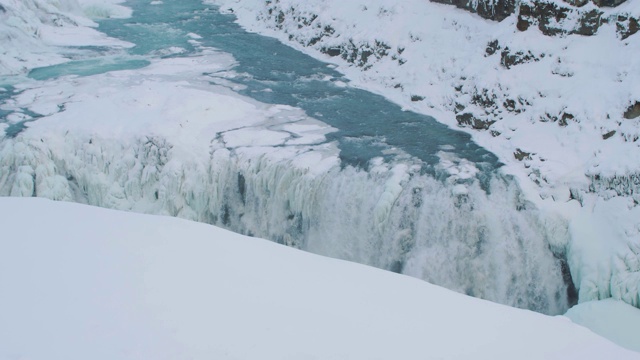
(368, 124)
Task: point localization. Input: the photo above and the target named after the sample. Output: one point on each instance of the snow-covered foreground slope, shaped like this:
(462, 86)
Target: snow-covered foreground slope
(558, 111)
(80, 282)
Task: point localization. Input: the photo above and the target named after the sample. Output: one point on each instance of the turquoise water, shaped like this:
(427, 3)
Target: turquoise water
(368, 124)
(87, 67)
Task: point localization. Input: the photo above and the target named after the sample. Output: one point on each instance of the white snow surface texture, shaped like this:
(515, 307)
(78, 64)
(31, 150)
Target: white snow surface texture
(584, 168)
(81, 282)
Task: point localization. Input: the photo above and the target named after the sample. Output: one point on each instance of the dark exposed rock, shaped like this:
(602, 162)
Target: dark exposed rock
(546, 15)
(608, 3)
(608, 135)
(333, 51)
(417, 98)
(508, 59)
(484, 99)
(522, 155)
(359, 54)
(280, 18)
(493, 10)
(2, 9)
(548, 117)
(523, 23)
(492, 47)
(565, 118)
(589, 22)
(626, 26)
(467, 119)
(578, 3)
(549, 17)
(510, 105)
(633, 111)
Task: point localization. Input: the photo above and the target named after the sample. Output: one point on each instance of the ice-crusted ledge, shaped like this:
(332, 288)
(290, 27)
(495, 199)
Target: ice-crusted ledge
(556, 110)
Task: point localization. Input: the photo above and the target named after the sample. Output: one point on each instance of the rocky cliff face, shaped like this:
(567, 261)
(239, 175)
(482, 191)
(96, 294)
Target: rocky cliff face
(554, 17)
(574, 17)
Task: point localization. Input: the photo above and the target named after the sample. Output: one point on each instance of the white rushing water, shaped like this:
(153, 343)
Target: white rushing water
(165, 139)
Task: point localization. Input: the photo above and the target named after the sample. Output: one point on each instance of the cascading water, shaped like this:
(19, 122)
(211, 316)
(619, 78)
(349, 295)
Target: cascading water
(406, 194)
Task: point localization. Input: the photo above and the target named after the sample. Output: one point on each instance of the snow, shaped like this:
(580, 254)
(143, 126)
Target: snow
(93, 283)
(440, 53)
(34, 30)
(613, 319)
